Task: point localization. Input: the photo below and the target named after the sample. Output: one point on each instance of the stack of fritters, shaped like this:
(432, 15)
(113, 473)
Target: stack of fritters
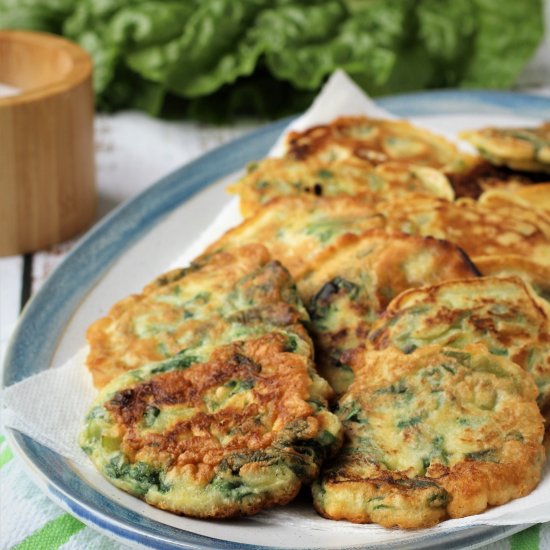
(236, 419)
(347, 285)
(426, 314)
(348, 288)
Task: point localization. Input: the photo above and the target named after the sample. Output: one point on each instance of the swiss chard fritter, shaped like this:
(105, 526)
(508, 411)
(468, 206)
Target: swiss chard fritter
(525, 149)
(221, 298)
(376, 141)
(298, 230)
(439, 433)
(501, 237)
(502, 313)
(237, 433)
(281, 177)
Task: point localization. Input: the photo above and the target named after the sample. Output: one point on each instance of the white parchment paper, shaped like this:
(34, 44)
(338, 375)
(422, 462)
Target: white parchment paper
(51, 405)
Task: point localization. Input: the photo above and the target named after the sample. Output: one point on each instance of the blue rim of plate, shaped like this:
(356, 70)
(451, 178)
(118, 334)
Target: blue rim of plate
(47, 314)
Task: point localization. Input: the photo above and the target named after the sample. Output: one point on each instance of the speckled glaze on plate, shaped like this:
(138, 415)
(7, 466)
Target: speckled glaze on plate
(51, 328)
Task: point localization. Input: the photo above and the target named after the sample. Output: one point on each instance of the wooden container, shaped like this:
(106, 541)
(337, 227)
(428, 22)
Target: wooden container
(47, 187)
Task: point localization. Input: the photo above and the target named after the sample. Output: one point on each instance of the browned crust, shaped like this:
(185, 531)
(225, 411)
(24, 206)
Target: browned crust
(435, 151)
(116, 348)
(466, 487)
(280, 391)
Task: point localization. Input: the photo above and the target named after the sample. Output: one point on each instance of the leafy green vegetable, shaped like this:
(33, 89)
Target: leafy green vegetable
(47, 15)
(214, 59)
(507, 36)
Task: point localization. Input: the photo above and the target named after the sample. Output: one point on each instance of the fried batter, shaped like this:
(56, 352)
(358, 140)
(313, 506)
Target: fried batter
(348, 288)
(519, 148)
(536, 196)
(280, 177)
(376, 141)
(297, 230)
(506, 265)
(229, 436)
(480, 228)
(434, 434)
(501, 313)
(216, 300)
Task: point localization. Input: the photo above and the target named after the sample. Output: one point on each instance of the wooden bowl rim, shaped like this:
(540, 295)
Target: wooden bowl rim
(79, 72)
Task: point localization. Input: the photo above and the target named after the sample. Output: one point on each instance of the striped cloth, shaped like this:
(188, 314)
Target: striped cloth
(30, 521)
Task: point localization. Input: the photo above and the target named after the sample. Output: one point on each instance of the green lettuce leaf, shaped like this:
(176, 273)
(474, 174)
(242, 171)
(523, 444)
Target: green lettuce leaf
(446, 31)
(212, 59)
(507, 37)
(47, 15)
(208, 54)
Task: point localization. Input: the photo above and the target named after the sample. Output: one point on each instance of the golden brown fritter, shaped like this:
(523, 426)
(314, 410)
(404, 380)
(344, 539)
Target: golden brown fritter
(376, 141)
(479, 228)
(281, 177)
(434, 434)
(519, 148)
(231, 435)
(348, 288)
(502, 313)
(216, 300)
(297, 230)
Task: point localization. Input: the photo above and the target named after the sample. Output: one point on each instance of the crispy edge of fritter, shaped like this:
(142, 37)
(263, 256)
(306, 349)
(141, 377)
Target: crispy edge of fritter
(430, 291)
(470, 487)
